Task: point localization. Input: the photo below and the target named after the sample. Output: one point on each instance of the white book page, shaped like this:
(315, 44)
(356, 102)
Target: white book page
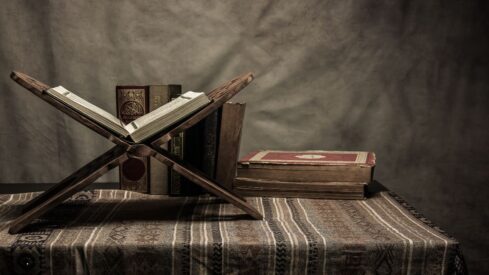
(85, 107)
(161, 111)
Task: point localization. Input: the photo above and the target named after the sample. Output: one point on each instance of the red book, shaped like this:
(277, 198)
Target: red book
(326, 174)
(310, 158)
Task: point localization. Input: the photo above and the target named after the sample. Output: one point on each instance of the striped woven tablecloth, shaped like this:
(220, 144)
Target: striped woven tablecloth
(120, 232)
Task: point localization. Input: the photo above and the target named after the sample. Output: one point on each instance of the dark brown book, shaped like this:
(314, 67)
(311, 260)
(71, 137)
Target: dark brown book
(145, 174)
(193, 152)
(177, 147)
(158, 172)
(211, 136)
(230, 127)
(199, 150)
(133, 102)
(322, 190)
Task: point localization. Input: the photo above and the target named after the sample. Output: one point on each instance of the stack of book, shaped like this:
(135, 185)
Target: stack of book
(308, 174)
(211, 145)
(145, 174)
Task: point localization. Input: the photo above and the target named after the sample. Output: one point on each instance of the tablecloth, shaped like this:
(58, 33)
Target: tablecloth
(122, 232)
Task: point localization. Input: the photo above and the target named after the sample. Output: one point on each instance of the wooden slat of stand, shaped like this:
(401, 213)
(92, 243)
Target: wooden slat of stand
(199, 178)
(72, 179)
(38, 88)
(112, 158)
(81, 179)
(219, 96)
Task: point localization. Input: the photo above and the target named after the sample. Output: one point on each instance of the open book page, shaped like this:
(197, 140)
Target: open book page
(166, 115)
(96, 113)
(142, 127)
(162, 111)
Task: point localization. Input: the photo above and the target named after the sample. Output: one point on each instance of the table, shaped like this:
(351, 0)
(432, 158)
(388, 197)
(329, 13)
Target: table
(121, 232)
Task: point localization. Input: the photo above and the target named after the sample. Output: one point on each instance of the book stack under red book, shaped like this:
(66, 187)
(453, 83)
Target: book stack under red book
(310, 174)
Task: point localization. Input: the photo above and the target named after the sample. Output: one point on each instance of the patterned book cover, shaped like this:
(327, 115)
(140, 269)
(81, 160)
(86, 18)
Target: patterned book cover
(133, 102)
(313, 157)
(147, 175)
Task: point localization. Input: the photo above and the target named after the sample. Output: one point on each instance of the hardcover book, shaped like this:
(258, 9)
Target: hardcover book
(211, 136)
(176, 145)
(158, 95)
(141, 173)
(309, 166)
(231, 124)
(193, 153)
(199, 150)
(212, 146)
(132, 103)
(315, 190)
(309, 174)
(142, 127)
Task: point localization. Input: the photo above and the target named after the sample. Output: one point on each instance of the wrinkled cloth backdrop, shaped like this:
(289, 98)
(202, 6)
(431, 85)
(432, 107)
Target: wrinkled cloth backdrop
(406, 79)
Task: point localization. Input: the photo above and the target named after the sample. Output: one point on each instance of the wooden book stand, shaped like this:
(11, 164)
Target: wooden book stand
(124, 148)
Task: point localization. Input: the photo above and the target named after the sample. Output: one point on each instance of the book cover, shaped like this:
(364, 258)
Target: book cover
(193, 151)
(308, 166)
(133, 102)
(231, 124)
(176, 146)
(147, 175)
(159, 173)
(199, 150)
(312, 157)
(211, 132)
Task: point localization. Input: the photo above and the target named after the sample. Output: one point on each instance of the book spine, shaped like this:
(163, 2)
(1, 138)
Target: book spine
(211, 136)
(133, 102)
(158, 177)
(176, 147)
(231, 124)
(193, 155)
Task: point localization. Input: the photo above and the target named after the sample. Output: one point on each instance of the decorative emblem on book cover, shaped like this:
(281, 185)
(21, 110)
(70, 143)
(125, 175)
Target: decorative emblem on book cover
(310, 156)
(131, 109)
(133, 104)
(133, 169)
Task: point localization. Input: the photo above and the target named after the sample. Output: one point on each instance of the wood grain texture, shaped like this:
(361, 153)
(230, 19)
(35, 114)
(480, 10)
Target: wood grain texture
(73, 184)
(38, 88)
(72, 179)
(232, 117)
(115, 156)
(200, 179)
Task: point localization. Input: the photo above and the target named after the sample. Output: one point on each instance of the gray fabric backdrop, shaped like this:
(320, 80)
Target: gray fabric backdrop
(406, 79)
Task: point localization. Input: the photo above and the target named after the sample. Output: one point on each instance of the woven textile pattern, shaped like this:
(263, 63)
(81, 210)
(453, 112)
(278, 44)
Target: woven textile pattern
(120, 232)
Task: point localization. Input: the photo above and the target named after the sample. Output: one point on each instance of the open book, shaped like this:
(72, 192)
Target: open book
(144, 126)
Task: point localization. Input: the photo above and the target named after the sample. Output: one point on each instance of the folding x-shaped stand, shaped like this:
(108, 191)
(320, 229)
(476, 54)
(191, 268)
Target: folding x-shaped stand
(125, 148)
